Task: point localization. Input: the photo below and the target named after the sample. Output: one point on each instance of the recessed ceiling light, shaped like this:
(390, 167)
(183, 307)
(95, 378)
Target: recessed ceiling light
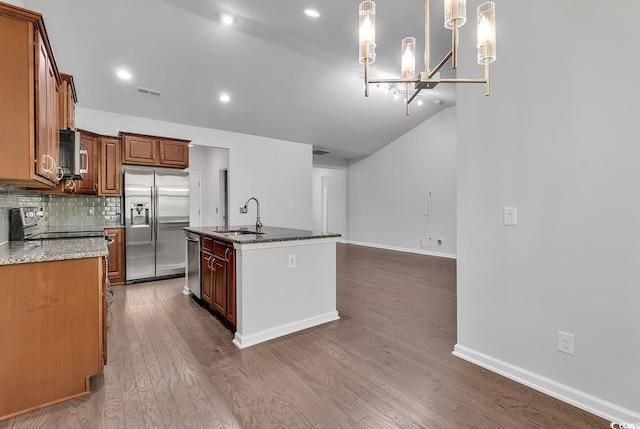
(312, 13)
(227, 19)
(225, 98)
(123, 74)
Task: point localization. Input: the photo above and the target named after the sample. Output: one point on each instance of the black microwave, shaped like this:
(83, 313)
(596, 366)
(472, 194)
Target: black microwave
(74, 159)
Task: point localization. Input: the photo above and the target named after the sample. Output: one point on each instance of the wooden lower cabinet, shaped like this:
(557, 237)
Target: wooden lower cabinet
(116, 255)
(218, 278)
(219, 286)
(53, 332)
(207, 274)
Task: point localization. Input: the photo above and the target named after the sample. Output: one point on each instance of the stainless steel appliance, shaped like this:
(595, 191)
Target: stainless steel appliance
(193, 264)
(156, 208)
(74, 160)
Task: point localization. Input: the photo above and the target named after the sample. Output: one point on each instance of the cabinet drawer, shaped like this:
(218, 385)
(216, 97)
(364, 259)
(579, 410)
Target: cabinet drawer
(207, 243)
(219, 248)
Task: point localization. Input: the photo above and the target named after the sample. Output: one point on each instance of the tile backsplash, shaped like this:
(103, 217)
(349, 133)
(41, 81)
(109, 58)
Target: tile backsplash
(60, 211)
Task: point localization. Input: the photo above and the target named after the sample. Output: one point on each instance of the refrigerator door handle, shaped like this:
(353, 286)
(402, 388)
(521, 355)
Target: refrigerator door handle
(154, 221)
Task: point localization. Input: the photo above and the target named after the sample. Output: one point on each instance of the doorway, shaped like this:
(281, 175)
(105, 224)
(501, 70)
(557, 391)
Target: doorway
(223, 214)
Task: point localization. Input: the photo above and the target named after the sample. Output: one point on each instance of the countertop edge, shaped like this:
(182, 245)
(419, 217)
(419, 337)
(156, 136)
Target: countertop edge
(293, 235)
(13, 253)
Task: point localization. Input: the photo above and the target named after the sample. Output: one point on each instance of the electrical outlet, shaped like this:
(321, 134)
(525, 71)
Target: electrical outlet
(292, 261)
(243, 210)
(510, 216)
(91, 211)
(566, 343)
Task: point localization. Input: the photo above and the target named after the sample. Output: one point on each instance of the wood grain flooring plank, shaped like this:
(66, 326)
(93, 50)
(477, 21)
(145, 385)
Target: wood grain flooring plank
(139, 351)
(186, 412)
(186, 365)
(130, 398)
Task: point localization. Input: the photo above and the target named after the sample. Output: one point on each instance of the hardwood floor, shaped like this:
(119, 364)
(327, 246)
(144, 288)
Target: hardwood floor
(386, 363)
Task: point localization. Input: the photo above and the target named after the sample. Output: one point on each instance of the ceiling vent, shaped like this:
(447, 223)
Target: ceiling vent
(149, 91)
(320, 152)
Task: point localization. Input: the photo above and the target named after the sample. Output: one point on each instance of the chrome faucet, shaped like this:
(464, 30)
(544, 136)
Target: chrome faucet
(244, 210)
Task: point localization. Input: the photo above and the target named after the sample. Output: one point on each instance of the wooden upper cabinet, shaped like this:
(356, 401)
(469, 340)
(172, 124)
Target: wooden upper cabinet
(29, 82)
(110, 170)
(140, 150)
(89, 183)
(104, 168)
(156, 151)
(174, 153)
(47, 135)
(67, 100)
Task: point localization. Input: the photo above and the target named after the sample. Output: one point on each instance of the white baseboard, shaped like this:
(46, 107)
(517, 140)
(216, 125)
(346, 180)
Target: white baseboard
(582, 400)
(403, 249)
(269, 334)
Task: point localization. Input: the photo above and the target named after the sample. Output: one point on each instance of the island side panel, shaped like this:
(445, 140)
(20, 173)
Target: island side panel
(274, 300)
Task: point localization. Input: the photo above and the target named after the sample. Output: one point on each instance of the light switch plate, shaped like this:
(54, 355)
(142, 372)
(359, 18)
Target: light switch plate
(510, 216)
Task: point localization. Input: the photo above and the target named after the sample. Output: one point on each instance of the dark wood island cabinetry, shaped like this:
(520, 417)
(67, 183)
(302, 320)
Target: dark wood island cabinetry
(218, 278)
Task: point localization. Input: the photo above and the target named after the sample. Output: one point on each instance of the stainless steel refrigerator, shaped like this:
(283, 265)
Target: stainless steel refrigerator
(156, 208)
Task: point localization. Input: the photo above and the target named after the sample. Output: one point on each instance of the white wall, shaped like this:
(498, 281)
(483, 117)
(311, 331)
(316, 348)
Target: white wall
(15, 2)
(336, 210)
(388, 191)
(276, 172)
(558, 139)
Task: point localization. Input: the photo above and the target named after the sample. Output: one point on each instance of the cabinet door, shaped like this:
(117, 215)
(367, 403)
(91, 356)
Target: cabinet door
(116, 255)
(174, 153)
(219, 297)
(110, 179)
(207, 275)
(89, 183)
(44, 163)
(53, 143)
(66, 104)
(140, 150)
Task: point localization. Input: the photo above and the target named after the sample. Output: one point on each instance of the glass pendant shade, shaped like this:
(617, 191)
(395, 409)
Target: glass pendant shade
(367, 13)
(455, 13)
(408, 65)
(486, 32)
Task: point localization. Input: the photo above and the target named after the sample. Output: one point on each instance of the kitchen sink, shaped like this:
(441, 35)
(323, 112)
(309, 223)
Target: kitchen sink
(239, 232)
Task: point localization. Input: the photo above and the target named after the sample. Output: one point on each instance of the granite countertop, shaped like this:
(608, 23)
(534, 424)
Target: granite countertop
(268, 234)
(24, 252)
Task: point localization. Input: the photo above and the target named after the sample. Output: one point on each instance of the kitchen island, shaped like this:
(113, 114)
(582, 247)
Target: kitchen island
(284, 280)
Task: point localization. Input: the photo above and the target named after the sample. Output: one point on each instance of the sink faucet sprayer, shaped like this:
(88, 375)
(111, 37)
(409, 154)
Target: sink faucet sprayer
(244, 210)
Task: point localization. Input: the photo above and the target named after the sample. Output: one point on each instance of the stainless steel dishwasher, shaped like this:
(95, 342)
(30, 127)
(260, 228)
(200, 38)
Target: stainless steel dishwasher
(193, 264)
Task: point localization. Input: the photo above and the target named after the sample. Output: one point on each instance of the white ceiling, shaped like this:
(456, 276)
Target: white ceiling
(290, 77)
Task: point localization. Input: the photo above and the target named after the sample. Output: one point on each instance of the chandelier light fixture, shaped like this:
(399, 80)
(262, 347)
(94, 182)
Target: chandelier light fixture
(455, 16)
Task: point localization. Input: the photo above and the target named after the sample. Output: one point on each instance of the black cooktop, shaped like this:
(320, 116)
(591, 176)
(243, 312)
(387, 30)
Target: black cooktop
(53, 235)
